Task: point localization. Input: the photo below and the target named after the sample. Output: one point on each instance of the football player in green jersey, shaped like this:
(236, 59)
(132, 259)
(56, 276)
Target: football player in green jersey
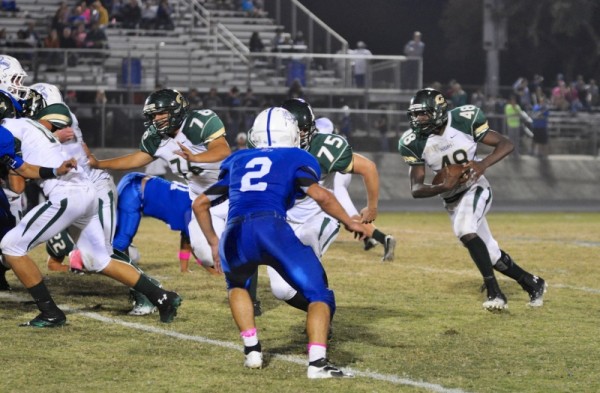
(438, 138)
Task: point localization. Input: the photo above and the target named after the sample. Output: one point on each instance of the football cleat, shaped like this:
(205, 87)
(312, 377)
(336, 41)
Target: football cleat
(254, 359)
(168, 305)
(45, 320)
(369, 243)
(321, 368)
(497, 303)
(536, 292)
(389, 248)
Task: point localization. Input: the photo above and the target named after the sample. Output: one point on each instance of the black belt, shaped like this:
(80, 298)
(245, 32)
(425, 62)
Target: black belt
(245, 217)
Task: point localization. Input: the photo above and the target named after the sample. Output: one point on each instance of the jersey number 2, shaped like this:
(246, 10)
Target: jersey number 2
(259, 167)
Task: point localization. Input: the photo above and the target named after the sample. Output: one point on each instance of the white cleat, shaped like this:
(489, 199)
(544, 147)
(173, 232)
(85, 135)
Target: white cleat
(498, 303)
(320, 369)
(141, 309)
(254, 359)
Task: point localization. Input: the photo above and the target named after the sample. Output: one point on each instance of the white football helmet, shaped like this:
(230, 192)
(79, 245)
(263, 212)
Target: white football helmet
(12, 77)
(51, 93)
(275, 127)
(324, 126)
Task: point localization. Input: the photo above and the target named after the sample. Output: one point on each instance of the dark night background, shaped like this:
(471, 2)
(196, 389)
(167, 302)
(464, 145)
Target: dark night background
(542, 37)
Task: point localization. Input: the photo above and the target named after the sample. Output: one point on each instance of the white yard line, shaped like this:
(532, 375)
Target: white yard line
(395, 379)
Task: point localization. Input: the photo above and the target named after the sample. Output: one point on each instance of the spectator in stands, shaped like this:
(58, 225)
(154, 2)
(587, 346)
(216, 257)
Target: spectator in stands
(61, 17)
(29, 36)
(52, 41)
(115, 11)
(361, 64)
(67, 42)
(148, 20)
(256, 44)
(131, 14)
(96, 39)
(278, 39)
(559, 98)
(521, 90)
(212, 100)
(194, 98)
(86, 12)
(514, 114)
(79, 33)
(540, 115)
(247, 6)
(415, 47)
(163, 15)
(299, 39)
(76, 16)
(99, 14)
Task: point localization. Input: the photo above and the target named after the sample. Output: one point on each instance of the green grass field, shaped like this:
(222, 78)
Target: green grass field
(412, 325)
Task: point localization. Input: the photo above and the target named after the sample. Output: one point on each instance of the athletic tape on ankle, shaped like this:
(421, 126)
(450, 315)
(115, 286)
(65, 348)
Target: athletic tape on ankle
(185, 255)
(248, 333)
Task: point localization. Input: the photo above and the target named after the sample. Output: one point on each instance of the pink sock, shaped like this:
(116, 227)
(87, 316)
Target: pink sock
(250, 337)
(184, 255)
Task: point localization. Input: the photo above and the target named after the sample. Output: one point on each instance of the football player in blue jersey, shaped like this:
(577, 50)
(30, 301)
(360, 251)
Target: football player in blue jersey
(261, 185)
(439, 138)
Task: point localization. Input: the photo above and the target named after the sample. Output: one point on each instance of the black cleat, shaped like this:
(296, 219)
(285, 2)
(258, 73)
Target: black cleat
(45, 320)
(369, 243)
(168, 305)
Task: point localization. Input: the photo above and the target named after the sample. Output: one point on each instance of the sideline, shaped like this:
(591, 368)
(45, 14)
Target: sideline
(229, 345)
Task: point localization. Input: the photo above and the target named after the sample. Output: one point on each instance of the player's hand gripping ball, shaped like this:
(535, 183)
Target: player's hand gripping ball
(451, 171)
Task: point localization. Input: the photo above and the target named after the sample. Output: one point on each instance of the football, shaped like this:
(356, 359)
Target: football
(448, 171)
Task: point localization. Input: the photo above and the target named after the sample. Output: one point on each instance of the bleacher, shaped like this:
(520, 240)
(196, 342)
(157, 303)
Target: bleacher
(192, 54)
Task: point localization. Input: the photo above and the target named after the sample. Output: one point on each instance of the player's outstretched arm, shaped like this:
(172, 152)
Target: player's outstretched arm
(31, 171)
(129, 161)
(502, 147)
(331, 206)
(368, 170)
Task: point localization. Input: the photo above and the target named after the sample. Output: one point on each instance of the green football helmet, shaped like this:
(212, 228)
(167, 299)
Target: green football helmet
(432, 103)
(167, 101)
(303, 113)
